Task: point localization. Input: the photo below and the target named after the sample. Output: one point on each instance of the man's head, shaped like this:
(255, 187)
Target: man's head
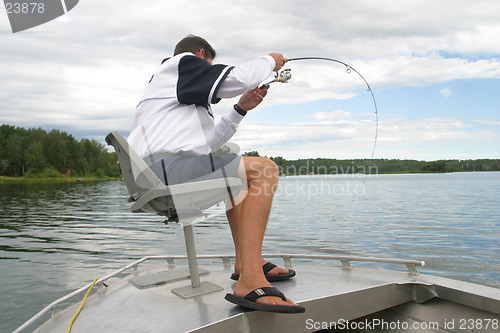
(197, 45)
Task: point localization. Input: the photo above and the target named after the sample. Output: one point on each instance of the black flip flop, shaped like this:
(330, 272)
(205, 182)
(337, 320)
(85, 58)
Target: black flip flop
(268, 266)
(249, 301)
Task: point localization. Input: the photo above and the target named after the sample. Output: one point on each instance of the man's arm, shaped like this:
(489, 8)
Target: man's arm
(228, 124)
(248, 75)
(244, 79)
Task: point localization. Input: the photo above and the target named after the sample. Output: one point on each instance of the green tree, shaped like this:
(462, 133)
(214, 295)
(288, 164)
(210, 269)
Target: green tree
(436, 166)
(55, 149)
(13, 153)
(41, 154)
(252, 153)
(34, 157)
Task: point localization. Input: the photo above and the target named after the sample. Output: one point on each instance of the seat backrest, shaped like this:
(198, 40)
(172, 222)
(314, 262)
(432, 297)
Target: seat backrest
(183, 202)
(139, 178)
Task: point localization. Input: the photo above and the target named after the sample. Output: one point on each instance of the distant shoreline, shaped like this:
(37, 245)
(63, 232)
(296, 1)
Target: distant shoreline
(385, 173)
(30, 180)
(381, 166)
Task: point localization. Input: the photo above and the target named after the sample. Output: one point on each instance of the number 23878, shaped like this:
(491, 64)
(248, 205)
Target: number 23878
(25, 7)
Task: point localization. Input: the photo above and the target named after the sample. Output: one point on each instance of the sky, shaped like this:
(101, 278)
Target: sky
(433, 66)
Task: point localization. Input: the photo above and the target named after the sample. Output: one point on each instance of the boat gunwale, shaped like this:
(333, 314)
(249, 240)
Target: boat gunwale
(345, 261)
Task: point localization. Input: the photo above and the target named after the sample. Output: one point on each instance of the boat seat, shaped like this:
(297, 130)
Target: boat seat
(184, 203)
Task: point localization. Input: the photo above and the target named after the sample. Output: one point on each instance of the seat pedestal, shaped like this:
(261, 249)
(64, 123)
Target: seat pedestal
(196, 288)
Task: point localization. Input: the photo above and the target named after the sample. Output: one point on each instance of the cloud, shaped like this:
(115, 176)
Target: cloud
(349, 138)
(446, 92)
(331, 117)
(86, 72)
(488, 122)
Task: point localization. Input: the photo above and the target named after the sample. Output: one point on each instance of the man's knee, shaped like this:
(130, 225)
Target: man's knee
(260, 167)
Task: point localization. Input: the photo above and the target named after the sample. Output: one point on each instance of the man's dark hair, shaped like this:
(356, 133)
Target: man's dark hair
(193, 44)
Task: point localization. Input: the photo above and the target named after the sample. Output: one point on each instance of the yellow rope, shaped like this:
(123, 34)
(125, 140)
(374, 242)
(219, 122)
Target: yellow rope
(81, 306)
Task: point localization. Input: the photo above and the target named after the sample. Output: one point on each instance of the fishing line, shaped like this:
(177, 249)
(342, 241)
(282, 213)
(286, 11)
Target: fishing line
(285, 75)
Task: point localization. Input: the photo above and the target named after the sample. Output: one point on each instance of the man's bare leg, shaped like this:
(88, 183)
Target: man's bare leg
(248, 222)
(234, 218)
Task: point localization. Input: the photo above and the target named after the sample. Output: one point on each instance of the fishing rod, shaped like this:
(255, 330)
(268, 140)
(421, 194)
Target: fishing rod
(285, 75)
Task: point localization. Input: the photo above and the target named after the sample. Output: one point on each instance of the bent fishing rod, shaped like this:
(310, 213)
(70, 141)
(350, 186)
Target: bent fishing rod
(285, 75)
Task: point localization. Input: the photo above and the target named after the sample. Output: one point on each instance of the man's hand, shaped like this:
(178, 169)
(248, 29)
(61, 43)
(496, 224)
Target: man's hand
(279, 60)
(252, 98)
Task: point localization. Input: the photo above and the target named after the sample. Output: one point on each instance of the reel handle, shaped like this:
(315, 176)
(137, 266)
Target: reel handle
(282, 76)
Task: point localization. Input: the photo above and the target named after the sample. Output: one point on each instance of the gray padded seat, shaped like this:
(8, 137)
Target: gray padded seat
(183, 203)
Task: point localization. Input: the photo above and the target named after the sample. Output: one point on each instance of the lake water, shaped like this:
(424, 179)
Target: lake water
(55, 238)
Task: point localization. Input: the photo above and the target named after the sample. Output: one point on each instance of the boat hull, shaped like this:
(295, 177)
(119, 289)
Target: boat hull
(334, 297)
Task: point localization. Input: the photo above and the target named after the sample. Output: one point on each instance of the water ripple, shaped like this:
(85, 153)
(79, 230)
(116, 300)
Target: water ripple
(56, 237)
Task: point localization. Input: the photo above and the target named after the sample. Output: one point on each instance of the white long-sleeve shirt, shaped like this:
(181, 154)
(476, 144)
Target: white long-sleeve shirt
(174, 112)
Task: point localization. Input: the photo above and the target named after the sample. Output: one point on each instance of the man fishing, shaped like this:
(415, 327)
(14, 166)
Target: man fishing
(175, 133)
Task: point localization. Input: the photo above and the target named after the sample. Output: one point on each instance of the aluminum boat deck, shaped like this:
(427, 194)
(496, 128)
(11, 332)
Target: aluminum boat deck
(331, 290)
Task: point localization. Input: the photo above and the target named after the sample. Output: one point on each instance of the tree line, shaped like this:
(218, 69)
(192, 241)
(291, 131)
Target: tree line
(376, 166)
(35, 152)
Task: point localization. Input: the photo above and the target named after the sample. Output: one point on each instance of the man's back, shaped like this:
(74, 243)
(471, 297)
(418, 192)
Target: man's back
(174, 113)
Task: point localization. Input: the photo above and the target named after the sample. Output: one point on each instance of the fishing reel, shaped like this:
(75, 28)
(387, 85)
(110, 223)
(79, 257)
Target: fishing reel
(282, 76)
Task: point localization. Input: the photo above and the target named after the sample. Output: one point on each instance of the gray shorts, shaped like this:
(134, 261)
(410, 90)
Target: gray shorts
(185, 167)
